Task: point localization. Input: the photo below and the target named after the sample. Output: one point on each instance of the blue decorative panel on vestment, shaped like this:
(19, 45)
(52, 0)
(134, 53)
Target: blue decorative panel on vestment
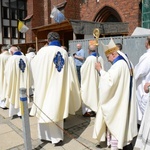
(22, 65)
(59, 61)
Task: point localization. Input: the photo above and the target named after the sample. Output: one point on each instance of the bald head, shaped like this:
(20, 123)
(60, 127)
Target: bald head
(92, 48)
(79, 46)
(13, 49)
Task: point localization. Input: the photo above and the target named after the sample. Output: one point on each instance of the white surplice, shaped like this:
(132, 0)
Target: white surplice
(142, 75)
(116, 111)
(143, 138)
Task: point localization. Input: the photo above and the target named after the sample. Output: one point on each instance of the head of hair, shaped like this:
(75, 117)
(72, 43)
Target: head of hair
(148, 40)
(9, 46)
(53, 36)
(30, 49)
(4, 48)
(119, 45)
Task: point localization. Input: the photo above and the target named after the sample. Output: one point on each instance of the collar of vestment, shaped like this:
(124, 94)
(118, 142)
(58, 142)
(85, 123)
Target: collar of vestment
(118, 58)
(93, 54)
(148, 50)
(131, 77)
(55, 43)
(17, 53)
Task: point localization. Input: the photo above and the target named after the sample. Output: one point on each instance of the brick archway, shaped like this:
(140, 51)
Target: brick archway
(108, 14)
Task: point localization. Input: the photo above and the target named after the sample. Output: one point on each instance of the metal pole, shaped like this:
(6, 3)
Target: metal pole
(25, 119)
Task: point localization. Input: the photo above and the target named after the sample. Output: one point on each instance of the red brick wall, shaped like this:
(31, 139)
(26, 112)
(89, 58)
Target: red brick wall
(128, 10)
(72, 10)
(78, 9)
(29, 23)
(38, 13)
(41, 16)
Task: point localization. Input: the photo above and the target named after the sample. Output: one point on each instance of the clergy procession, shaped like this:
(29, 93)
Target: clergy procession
(62, 85)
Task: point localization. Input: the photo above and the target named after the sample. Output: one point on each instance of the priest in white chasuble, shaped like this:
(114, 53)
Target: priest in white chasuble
(52, 90)
(4, 56)
(117, 113)
(17, 73)
(90, 81)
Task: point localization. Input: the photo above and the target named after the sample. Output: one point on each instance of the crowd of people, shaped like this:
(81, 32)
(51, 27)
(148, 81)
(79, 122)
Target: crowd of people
(61, 84)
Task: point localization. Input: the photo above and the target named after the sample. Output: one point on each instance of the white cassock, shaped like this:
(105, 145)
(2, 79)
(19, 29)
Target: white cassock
(52, 92)
(90, 84)
(3, 59)
(142, 75)
(116, 111)
(143, 138)
(17, 73)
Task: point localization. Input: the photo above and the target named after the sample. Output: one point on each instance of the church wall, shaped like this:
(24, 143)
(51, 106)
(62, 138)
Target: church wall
(128, 10)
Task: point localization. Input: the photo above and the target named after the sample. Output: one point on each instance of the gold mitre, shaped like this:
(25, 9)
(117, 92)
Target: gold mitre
(93, 42)
(111, 47)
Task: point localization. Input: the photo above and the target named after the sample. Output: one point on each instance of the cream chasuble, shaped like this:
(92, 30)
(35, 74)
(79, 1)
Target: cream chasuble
(17, 73)
(115, 110)
(52, 85)
(90, 82)
(3, 59)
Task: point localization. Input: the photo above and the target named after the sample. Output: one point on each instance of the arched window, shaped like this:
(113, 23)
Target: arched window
(108, 14)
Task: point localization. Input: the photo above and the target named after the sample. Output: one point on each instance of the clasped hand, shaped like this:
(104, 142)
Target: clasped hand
(98, 66)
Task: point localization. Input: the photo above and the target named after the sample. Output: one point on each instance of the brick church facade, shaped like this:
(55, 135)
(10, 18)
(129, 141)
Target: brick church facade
(88, 10)
(124, 17)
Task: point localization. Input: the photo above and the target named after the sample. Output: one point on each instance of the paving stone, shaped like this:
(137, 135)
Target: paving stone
(9, 140)
(4, 128)
(77, 135)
